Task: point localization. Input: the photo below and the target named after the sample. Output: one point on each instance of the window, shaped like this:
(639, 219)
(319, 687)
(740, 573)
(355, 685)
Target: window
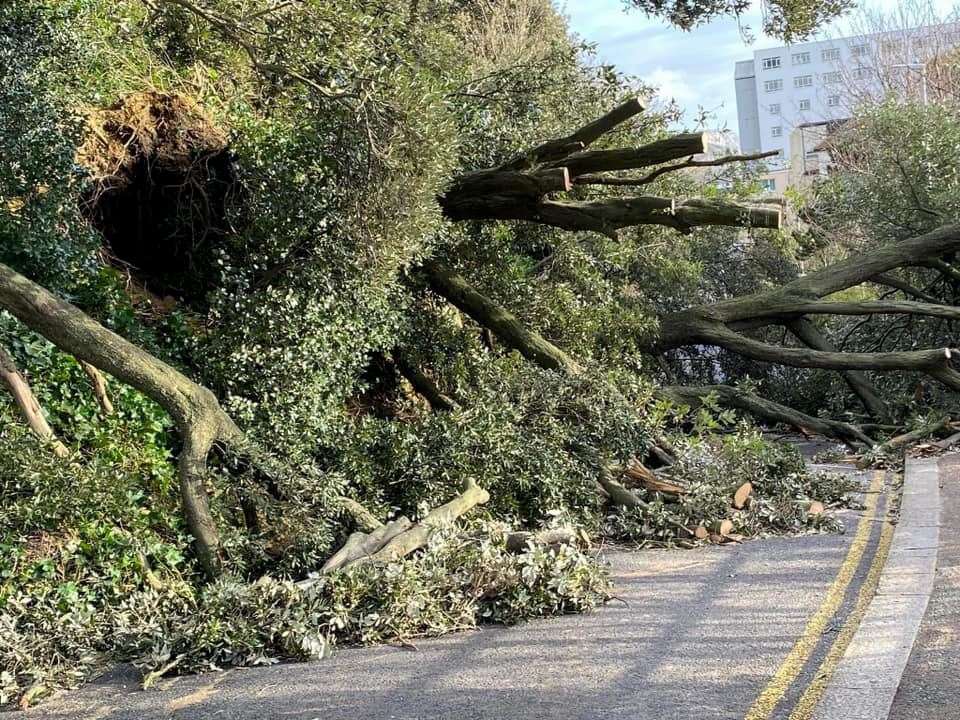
(772, 85)
(833, 101)
(831, 77)
(830, 55)
(802, 58)
(802, 81)
(774, 108)
(771, 63)
(891, 47)
(803, 105)
(776, 131)
(768, 184)
(861, 73)
(858, 50)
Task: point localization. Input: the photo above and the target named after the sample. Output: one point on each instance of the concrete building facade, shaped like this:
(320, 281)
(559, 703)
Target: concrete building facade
(783, 90)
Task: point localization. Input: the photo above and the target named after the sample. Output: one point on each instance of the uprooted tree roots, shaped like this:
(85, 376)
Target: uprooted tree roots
(161, 179)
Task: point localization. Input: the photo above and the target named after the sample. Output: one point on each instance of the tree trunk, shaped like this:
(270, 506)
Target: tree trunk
(810, 335)
(194, 409)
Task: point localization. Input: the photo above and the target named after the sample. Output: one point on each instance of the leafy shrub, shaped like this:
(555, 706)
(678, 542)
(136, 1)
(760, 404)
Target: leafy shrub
(535, 439)
(460, 580)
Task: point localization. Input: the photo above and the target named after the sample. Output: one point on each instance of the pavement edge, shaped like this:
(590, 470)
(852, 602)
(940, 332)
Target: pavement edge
(867, 677)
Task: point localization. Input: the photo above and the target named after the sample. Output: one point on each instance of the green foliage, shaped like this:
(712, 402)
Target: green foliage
(464, 577)
(893, 177)
(790, 20)
(537, 441)
(344, 120)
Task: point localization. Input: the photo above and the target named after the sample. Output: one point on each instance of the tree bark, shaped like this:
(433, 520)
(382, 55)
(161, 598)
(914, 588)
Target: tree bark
(579, 139)
(27, 402)
(660, 151)
(764, 409)
(719, 324)
(901, 441)
(810, 335)
(426, 387)
(395, 540)
(194, 409)
(487, 313)
(99, 384)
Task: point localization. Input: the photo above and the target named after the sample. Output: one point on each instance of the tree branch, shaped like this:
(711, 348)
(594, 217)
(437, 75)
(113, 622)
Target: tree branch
(27, 402)
(764, 409)
(487, 313)
(579, 139)
(650, 177)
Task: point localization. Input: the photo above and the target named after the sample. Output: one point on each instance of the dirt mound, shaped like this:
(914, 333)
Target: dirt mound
(162, 175)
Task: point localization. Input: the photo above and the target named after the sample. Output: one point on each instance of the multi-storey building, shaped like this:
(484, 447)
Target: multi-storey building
(782, 90)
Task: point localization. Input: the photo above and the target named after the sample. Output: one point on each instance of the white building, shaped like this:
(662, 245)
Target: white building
(794, 86)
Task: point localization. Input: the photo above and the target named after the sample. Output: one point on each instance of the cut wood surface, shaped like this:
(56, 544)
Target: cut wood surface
(742, 494)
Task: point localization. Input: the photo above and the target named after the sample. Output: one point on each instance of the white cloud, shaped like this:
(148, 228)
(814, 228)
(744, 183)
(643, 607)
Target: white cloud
(672, 85)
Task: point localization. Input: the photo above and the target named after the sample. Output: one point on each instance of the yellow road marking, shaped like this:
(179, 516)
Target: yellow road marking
(811, 696)
(793, 664)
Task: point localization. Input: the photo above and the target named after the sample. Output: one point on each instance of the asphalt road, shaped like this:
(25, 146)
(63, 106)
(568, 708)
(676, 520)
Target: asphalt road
(722, 632)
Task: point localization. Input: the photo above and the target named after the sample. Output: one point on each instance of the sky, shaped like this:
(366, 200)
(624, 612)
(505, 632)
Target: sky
(694, 68)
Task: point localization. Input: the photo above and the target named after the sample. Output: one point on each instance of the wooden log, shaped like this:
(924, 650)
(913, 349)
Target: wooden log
(360, 545)
(419, 534)
(518, 542)
(362, 518)
(618, 494)
(724, 527)
(742, 494)
(637, 474)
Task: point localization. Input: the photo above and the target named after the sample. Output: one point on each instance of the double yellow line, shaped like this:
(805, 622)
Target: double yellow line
(795, 661)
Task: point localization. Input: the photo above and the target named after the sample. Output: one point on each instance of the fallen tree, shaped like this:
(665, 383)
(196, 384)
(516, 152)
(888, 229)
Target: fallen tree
(519, 190)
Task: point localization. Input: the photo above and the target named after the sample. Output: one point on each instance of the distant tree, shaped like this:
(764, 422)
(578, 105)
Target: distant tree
(789, 20)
